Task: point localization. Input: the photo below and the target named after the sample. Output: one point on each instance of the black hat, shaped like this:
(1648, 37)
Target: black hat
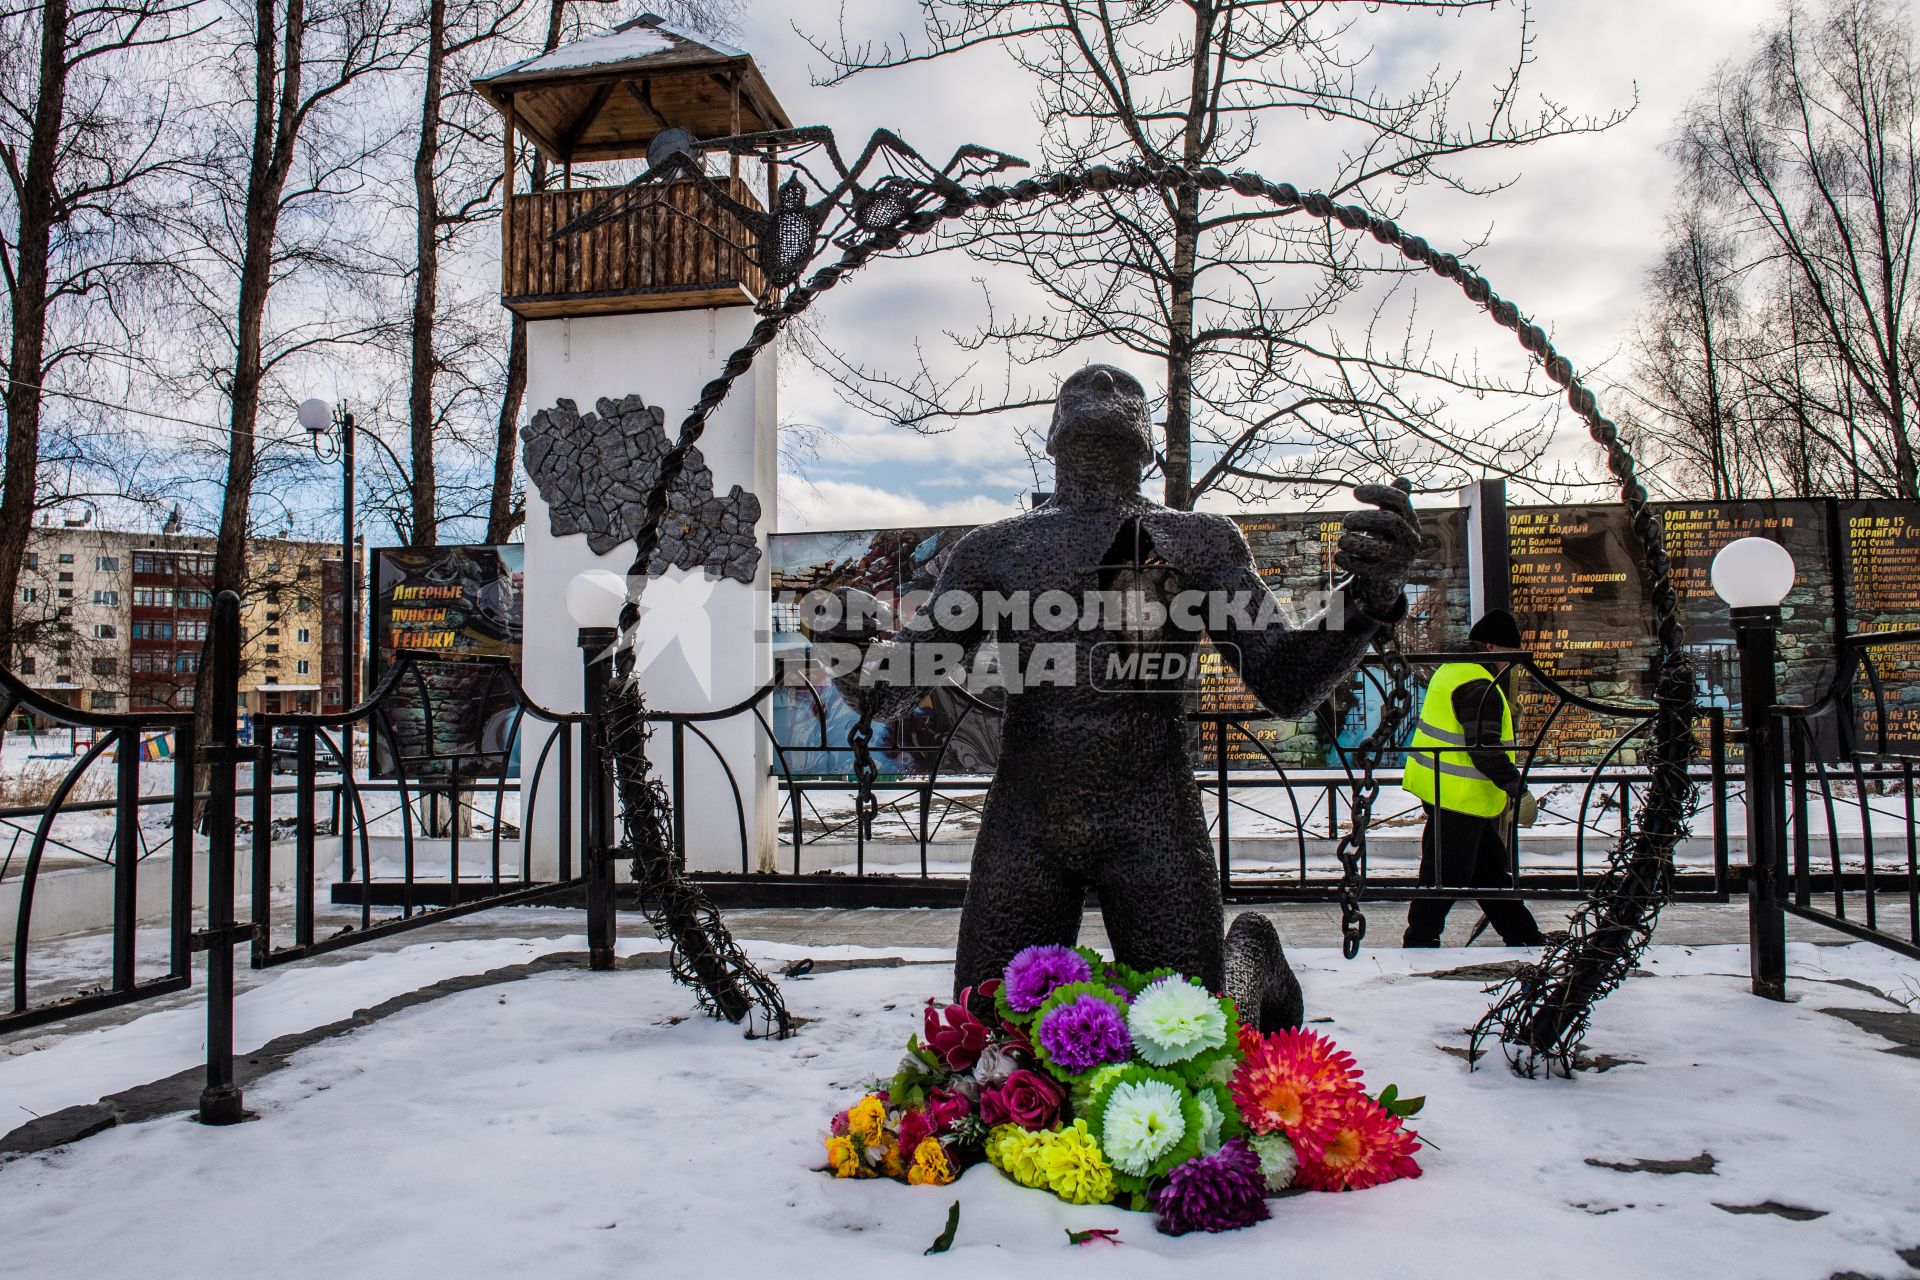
(1496, 627)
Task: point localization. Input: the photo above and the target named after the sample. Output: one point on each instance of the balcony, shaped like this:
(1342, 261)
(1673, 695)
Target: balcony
(675, 249)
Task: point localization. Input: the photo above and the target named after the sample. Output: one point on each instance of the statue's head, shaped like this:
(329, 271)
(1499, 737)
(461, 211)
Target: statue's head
(1100, 422)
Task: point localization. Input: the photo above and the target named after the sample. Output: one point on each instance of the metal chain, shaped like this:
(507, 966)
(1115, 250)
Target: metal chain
(865, 773)
(1548, 1010)
(1352, 849)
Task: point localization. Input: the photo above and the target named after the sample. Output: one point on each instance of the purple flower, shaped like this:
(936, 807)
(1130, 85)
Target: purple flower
(1085, 1033)
(1036, 971)
(1213, 1193)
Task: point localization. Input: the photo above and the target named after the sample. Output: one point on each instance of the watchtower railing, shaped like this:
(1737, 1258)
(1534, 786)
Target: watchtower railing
(674, 247)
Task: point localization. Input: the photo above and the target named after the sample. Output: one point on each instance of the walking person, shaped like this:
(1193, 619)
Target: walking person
(1460, 764)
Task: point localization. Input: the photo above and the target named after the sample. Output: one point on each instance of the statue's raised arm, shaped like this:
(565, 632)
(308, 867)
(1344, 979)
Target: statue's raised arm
(1292, 663)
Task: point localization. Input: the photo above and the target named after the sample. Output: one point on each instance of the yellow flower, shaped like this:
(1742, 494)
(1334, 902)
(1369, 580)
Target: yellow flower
(1010, 1149)
(1074, 1167)
(930, 1165)
(843, 1154)
(890, 1157)
(867, 1121)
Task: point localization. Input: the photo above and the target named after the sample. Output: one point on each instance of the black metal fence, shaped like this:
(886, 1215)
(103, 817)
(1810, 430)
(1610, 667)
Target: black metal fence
(453, 832)
(1850, 859)
(194, 829)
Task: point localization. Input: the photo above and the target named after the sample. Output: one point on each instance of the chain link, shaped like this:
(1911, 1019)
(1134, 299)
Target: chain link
(1397, 673)
(865, 774)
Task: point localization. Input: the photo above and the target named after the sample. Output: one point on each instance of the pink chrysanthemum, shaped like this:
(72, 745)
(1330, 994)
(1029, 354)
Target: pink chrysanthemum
(1363, 1146)
(1294, 1082)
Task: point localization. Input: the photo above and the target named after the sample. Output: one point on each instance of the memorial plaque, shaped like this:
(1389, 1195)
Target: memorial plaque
(1880, 552)
(451, 605)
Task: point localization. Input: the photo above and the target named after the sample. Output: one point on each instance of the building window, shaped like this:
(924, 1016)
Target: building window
(273, 566)
(273, 597)
(302, 635)
(111, 599)
(103, 631)
(145, 562)
(193, 630)
(64, 593)
(303, 702)
(302, 667)
(107, 564)
(64, 558)
(26, 666)
(159, 630)
(106, 666)
(155, 597)
(273, 648)
(63, 577)
(271, 680)
(273, 631)
(103, 701)
(31, 560)
(186, 663)
(185, 697)
(29, 594)
(196, 599)
(242, 701)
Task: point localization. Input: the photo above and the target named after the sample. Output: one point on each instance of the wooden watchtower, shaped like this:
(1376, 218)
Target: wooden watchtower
(606, 98)
(646, 302)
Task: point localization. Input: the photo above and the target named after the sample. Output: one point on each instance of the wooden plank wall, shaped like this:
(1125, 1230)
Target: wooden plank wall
(674, 239)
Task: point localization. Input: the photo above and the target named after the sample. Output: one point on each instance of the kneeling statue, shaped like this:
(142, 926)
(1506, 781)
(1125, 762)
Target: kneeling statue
(1095, 787)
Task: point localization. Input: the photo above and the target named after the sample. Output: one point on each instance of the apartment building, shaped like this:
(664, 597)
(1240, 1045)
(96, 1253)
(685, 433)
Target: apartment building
(117, 620)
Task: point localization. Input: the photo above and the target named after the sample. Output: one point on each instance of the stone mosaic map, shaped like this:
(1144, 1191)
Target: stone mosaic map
(595, 470)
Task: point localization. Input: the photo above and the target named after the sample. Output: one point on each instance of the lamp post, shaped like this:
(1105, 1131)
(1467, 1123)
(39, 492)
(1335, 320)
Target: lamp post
(594, 600)
(317, 416)
(1753, 575)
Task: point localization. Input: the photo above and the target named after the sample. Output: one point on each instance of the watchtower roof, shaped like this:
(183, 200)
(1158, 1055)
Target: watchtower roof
(606, 97)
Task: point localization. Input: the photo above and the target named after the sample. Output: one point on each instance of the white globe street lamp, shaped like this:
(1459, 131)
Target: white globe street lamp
(595, 599)
(1753, 573)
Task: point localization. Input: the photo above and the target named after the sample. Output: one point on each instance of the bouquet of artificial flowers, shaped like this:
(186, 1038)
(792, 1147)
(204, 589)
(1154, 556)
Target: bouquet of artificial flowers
(1102, 1084)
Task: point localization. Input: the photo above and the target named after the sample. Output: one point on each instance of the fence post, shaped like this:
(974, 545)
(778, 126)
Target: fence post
(220, 1100)
(1754, 629)
(596, 796)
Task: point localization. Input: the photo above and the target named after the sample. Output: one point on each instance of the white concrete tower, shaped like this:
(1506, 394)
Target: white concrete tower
(646, 304)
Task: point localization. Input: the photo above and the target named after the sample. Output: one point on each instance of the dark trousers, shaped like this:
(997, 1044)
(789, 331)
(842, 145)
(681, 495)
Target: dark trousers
(1471, 853)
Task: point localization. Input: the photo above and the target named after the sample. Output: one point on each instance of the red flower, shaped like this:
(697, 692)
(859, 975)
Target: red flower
(1028, 1099)
(946, 1109)
(955, 1034)
(1364, 1146)
(914, 1127)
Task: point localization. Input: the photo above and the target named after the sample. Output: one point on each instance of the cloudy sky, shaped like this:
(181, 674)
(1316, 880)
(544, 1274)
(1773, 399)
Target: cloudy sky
(1570, 240)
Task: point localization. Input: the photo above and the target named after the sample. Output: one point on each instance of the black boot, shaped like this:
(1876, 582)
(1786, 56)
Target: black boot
(1261, 982)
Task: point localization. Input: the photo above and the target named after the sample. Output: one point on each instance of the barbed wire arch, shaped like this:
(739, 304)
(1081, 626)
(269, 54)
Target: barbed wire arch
(1540, 1015)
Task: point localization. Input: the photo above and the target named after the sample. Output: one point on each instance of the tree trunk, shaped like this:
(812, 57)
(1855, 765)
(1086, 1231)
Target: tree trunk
(501, 518)
(26, 361)
(426, 285)
(276, 92)
(1178, 464)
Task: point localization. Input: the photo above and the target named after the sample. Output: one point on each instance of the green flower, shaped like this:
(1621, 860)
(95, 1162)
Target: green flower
(1277, 1160)
(1146, 1121)
(1174, 1021)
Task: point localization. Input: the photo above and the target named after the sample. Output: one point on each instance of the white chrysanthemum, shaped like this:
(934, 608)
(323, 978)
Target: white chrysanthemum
(1142, 1122)
(1211, 1118)
(1277, 1161)
(1173, 1020)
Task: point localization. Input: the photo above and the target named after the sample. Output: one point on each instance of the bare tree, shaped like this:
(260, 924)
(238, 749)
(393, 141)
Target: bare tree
(272, 212)
(1805, 152)
(79, 142)
(1292, 357)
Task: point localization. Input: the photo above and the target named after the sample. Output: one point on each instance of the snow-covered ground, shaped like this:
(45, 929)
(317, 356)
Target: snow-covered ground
(581, 1124)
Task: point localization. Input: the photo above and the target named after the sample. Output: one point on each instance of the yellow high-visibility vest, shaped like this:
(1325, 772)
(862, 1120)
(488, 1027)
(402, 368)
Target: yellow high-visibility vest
(1439, 769)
